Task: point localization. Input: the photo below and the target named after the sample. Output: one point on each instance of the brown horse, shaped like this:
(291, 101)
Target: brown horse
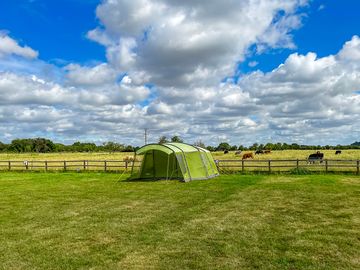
(248, 155)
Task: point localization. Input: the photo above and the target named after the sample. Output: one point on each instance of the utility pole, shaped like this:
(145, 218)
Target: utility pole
(145, 135)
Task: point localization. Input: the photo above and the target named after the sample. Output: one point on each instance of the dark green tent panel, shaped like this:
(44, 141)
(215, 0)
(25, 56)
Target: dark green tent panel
(174, 161)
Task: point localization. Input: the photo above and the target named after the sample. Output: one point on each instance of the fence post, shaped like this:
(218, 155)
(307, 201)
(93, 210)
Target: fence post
(297, 164)
(126, 165)
(326, 165)
(358, 167)
(269, 166)
(242, 165)
(46, 165)
(9, 164)
(64, 165)
(105, 166)
(84, 165)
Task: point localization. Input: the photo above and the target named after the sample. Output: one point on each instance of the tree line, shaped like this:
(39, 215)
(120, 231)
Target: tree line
(42, 145)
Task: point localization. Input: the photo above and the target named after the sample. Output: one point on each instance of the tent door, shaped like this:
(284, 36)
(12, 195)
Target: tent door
(148, 165)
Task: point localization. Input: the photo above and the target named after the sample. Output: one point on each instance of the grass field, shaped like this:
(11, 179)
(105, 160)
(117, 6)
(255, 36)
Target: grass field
(284, 154)
(92, 221)
(95, 161)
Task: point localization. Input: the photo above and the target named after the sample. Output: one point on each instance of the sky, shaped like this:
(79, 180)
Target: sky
(235, 71)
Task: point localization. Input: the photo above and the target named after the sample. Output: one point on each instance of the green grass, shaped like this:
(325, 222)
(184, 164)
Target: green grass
(92, 221)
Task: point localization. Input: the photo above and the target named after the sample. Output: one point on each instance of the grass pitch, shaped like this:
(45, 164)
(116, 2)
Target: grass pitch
(90, 220)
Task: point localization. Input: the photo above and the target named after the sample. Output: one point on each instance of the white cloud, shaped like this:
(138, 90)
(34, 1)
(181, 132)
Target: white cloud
(177, 43)
(90, 76)
(9, 46)
(351, 50)
(184, 51)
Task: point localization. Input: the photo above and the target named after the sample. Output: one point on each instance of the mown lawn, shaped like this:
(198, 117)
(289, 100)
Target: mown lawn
(92, 221)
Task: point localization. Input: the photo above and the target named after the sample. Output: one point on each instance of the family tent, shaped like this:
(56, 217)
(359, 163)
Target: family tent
(173, 161)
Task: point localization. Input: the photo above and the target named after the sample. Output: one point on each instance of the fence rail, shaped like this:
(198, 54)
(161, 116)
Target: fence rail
(278, 165)
(224, 165)
(67, 165)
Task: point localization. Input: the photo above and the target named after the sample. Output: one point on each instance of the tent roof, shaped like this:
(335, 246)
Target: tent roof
(169, 148)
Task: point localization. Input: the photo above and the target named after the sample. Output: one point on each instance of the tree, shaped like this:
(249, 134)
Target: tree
(295, 146)
(233, 148)
(3, 147)
(113, 147)
(241, 147)
(163, 139)
(254, 146)
(21, 145)
(129, 148)
(59, 147)
(41, 145)
(176, 139)
(223, 146)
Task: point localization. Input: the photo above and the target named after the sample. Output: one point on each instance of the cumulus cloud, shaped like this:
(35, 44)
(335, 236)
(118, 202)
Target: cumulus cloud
(9, 46)
(90, 76)
(178, 43)
(165, 70)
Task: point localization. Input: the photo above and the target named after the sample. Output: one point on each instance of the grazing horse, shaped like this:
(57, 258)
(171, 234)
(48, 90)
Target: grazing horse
(247, 155)
(238, 153)
(129, 159)
(226, 152)
(338, 152)
(316, 157)
(267, 151)
(258, 152)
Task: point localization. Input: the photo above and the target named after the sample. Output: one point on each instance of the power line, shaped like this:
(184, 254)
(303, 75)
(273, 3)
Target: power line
(145, 135)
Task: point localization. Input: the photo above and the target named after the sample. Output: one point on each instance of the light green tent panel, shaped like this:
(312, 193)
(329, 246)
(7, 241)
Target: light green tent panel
(174, 161)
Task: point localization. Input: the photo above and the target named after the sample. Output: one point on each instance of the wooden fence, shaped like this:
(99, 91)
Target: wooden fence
(279, 165)
(66, 165)
(231, 165)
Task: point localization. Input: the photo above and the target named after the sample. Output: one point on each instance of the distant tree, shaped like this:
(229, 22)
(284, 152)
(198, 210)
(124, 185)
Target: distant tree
(3, 147)
(199, 143)
(176, 139)
(21, 145)
(233, 148)
(255, 146)
(278, 146)
(41, 145)
(355, 144)
(128, 148)
(112, 147)
(223, 146)
(163, 139)
(269, 146)
(295, 146)
(59, 147)
(84, 147)
(241, 147)
(211, 148)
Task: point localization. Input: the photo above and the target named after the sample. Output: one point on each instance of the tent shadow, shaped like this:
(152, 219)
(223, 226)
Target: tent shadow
(152, 180)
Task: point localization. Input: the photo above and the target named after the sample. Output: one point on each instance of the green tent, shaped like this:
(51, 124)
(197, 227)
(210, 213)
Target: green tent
(173, 161)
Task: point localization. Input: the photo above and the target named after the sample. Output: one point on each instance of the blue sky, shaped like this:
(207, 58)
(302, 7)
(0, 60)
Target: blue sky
(84, 48)
(58, 30)
(326, 26)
